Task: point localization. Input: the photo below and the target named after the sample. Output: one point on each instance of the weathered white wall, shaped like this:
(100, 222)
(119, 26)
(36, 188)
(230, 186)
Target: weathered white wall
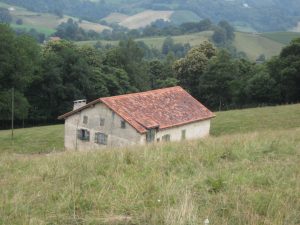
(192, 131)
(117, 136)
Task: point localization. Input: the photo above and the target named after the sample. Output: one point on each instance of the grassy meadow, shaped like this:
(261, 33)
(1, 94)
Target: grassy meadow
(282, 37)
(254, 45)
(251, 43)
(247, 172)
(45, 22)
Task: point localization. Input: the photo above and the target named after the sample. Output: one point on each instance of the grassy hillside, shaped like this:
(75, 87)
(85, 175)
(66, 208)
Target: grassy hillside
(282, 37)
(45, 22)
(145, 18)
(183, 16)
(251, 178)
(157, 42)
(254, 45)
(115, 18)
(50, 138)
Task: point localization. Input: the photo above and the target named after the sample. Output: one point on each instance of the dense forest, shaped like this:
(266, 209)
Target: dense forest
(272, 15)
(46, 79)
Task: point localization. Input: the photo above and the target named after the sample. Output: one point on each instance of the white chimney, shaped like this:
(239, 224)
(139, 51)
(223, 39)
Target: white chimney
(79, 103)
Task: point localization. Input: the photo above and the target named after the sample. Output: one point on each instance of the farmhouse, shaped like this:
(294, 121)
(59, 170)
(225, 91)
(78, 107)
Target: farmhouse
(169, 114)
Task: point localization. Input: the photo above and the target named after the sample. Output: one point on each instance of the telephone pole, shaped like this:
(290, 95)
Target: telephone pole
(12, 112)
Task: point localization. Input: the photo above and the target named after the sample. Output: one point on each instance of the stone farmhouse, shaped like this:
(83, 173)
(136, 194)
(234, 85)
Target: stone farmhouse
(169, 114)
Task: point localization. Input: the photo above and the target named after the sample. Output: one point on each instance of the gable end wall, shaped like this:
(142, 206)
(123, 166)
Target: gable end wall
(117, 136)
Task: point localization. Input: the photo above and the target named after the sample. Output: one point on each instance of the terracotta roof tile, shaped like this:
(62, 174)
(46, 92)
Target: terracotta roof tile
(162, 108)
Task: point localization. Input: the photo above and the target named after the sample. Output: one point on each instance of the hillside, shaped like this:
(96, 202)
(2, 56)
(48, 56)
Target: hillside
(282, 37)
(250, 178)
(50, 138)
(282, 15)
(115, 18)
(145, 18)
(45, 22)
(253, 44)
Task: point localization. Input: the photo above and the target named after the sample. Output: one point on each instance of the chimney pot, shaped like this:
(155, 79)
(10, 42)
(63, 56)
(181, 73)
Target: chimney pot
(79, 103)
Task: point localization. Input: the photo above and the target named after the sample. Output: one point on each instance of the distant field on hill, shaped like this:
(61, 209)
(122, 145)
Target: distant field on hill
(251, 43)
(45, 22)
(254, 45)
(282, 37)
(115, 18)
(192, 39)
(157, 42)
(50, 138)
(183, 16)
(145, 18)
(250, 178)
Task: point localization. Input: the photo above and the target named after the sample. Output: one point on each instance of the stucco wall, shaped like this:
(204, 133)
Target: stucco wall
(117, 136)
(192, 131)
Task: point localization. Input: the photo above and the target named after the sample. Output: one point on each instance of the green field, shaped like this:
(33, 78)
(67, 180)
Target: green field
(254, 45)
(157, 42)
(282, 37)
(183, 16)
(247, 172)
(45, 22)
(251, 43)
(50, 138)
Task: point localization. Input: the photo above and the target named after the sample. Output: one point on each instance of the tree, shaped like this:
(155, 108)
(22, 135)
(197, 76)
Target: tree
(189, 69)
(285, 69)
(262, 88)
(215, 83)
(229, 30)
(5, 16)
(219, 36)
(19, 21)
(167, 46)
(129, 56)
(19, 59)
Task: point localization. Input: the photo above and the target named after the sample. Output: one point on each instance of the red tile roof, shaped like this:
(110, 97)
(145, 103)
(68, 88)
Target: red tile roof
(162, 108)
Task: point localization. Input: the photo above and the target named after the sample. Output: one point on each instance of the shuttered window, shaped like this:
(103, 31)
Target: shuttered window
(83, 134)
(123, 124)
(102, 121)
(101, 138)
(150, 136)
(85, 119)
(166, 137)
(183, 134)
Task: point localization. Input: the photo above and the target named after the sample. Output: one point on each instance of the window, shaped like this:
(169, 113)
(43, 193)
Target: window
(85, 119)
(166, 137)
(83, 134)
(101, 138)
(150, 136)
(102, 121)
(123, 124)
(183, 132)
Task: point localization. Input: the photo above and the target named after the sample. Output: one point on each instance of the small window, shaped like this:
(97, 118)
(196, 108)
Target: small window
(150, 136)
(166, 137)
(83, 134)
(102, 121)
(183, 132)
(101, 138)
(123, 124)
(85, 119)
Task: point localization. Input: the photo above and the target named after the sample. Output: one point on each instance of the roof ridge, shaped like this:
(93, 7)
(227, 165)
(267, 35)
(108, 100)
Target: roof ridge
(142, 93)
